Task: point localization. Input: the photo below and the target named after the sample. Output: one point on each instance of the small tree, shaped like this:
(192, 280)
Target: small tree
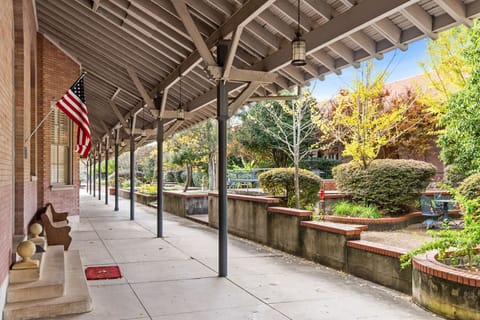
(417, 128)
(293, 129)
(362, 119)
(192, 148)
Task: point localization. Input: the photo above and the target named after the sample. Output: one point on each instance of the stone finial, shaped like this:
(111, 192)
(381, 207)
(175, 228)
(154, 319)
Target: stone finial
(26, 250)
(35, 229)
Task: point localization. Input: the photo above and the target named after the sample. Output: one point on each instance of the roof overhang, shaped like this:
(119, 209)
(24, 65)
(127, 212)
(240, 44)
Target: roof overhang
(136, 51)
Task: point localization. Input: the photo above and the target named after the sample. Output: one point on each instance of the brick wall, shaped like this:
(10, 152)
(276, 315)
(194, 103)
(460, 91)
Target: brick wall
(56, 73)
(25, 105)
(6, 134)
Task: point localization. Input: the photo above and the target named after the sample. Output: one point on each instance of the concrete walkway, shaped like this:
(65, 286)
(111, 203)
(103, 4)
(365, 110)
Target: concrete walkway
(175, 278)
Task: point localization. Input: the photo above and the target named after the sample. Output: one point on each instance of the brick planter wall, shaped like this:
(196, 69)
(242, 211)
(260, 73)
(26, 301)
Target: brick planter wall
(380, 264)
(326, 243)
(247, 215)
(445, 290)
(283, 229)
(139, 197)
(182, 203)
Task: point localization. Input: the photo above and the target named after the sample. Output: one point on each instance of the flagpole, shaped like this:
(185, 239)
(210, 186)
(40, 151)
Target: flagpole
(52, 107)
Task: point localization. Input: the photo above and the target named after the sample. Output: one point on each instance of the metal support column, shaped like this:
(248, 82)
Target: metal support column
(106, 171)
(100, 172)
(91, 173)
(222, 117)
(93, 176)
(132, 176)
(116, 177)
(88, 159)
(159, 178)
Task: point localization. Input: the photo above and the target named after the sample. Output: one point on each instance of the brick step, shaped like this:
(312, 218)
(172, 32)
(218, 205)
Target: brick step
(75, 300)
(51, 281)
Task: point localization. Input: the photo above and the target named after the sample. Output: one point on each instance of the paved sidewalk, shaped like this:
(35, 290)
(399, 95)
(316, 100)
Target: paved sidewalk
(175, 278)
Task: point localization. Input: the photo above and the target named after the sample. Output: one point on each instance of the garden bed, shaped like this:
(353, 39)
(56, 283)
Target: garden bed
(380, 224)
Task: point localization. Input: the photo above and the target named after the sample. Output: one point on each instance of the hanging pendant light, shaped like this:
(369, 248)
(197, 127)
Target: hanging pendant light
(180, 111)
(143, 133)
(299, 45)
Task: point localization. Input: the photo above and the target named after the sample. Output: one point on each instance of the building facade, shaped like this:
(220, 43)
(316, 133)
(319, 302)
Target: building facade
(34, 168)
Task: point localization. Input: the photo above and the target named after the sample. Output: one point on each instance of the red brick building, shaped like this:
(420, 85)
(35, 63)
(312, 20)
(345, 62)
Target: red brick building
(396, 89)
(33, 73)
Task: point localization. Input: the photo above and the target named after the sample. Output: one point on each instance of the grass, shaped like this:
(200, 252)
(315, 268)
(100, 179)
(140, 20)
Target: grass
(348, 209)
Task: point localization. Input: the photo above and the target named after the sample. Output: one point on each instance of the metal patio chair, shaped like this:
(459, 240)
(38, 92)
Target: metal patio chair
(430, 212)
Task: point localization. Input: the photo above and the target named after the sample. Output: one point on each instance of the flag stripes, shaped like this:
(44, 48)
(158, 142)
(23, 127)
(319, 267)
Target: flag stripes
(73, 105)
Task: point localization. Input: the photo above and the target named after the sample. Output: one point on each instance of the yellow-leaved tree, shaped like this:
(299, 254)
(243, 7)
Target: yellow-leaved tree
(445, 68)
(362, 119)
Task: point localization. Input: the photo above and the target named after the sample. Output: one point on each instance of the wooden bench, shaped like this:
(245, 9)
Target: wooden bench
(57, 216)
(56, 227)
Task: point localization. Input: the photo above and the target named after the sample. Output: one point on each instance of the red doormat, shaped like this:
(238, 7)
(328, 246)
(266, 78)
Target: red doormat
(102, 273)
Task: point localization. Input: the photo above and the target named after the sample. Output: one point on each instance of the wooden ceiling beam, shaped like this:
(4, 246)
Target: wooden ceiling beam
(391, 32)
(421, 19)
(141, 89)
(192, 30)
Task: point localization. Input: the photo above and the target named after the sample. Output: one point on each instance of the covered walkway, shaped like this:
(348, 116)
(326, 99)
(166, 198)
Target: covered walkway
(176, 277)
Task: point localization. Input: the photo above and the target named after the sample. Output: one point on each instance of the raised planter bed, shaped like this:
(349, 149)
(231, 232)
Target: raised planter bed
(177, 203)
(382, 224)
(379, 263)
(448, 291)
(185, 203)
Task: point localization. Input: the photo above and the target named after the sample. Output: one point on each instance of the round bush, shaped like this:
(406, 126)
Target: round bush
(454, 175)
(470, 187)
(280, 182)
(391, 185)
(180, 176)
(170, 176)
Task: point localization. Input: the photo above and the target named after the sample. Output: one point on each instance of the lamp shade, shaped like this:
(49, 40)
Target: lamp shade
(298, 51)
(180, 114)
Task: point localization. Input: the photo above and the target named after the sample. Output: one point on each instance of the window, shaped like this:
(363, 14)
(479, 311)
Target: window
(60, 149)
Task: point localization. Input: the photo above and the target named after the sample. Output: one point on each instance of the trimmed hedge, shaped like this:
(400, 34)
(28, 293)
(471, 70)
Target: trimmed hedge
(454, 175)
(470, 187)
(391, 185)
(280, 182)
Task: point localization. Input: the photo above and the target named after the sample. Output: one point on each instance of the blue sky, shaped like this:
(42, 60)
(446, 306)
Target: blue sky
(403, 64)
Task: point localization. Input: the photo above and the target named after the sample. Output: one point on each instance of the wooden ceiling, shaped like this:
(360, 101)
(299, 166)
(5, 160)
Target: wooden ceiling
(136, 50)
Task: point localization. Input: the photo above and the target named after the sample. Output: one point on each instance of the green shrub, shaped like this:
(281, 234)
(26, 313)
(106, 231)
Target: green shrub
(348, 209)
(197, 177)
(454, 175)
(180, 176)
(170, 176)
(470, 187)
(391, 185)
(280, 182)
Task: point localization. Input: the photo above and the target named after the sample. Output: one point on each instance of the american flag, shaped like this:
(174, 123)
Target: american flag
(73, 105)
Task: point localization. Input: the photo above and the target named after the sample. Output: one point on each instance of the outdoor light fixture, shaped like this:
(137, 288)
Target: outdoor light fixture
(180, 111)
(143, 133)
(299, 45)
